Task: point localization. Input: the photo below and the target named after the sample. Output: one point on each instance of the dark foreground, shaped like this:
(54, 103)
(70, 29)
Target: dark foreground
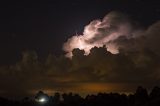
(140, 98)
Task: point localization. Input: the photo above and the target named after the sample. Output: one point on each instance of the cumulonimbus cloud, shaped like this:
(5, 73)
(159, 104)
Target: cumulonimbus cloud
(100, 33)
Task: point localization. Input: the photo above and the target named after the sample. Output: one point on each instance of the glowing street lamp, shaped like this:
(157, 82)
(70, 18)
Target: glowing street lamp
(42, 100)
(41, 97)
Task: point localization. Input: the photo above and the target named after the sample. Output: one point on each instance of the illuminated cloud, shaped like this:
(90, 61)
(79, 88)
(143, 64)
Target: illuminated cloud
(102, 32)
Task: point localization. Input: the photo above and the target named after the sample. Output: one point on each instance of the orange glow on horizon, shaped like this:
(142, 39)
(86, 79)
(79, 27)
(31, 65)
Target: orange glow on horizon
(88, 88)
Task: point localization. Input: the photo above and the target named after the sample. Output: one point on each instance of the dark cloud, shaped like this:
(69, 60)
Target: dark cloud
(100, 69)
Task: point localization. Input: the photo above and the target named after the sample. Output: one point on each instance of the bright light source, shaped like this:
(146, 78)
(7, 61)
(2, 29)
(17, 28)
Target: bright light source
(42, 100)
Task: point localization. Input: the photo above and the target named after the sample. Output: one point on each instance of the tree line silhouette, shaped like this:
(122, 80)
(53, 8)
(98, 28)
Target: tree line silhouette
(140, 98)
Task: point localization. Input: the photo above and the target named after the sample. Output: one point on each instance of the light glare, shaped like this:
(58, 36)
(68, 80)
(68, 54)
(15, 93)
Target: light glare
(42, 100)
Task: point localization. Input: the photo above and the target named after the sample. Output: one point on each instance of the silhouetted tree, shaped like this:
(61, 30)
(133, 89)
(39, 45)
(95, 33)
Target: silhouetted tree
(155, 93)
(56, 99)
(141, 96)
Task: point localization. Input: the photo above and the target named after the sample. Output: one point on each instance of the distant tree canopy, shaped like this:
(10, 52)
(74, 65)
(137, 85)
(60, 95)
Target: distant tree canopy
(139, 98)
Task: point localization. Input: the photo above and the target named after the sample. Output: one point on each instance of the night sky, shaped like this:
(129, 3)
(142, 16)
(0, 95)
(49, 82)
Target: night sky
(36, 39)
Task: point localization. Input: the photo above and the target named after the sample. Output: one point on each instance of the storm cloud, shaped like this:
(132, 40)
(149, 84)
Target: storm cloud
(92, 68)
(102, 32)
